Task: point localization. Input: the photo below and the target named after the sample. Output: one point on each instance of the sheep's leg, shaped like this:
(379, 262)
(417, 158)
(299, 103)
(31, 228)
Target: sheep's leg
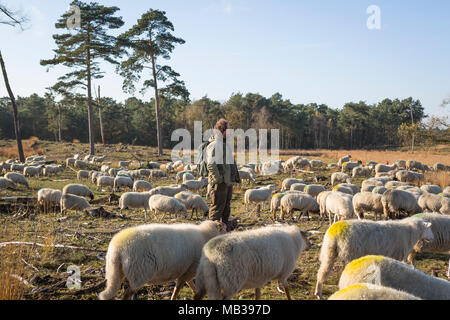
(286, 290)
(129, 294)
(257, 293)
(176, 290)
(191, 285)
(448, 272)
(325, 267)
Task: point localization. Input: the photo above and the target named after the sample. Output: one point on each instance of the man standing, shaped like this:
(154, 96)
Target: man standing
(222, 173)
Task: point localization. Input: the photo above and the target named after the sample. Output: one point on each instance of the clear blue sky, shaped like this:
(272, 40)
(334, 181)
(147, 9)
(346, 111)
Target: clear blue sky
(309, 51)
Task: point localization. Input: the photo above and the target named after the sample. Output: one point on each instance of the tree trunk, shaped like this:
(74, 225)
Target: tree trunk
(100, 117)
(158, 122)
(15, 113)
(89, 90)
(59, 123)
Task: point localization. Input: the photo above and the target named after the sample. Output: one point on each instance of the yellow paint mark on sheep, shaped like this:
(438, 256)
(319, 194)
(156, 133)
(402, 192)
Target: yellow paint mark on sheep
(339, 228)
(276, 195)
(123, 235)
(335, 187)
(347, 292)
(358, 264)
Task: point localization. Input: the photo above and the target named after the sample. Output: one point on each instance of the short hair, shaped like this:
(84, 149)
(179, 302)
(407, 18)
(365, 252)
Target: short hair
(221, 125)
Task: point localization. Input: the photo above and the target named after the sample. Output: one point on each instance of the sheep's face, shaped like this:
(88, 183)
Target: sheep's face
(308, 243)
(427, 234)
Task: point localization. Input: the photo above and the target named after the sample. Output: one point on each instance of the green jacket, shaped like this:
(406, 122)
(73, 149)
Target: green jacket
(220, 172)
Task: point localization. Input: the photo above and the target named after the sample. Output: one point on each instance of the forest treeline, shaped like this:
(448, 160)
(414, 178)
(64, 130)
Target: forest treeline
(354, 126)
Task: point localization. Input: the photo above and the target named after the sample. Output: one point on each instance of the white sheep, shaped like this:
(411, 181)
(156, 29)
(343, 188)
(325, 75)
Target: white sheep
(48, 197)
(314, 189)
(157, 174)
(431, 188)
(287, 183)
(408, 177)
(105, 181)
(179, 176)
(124, 164)
(145, 172)
(340, 177)
(188, 176)
(156, 254)
(395, 201)
(361, 171)
(321, 200)
(298, 187)
(343, 189)
(32, 171)
(154, 165)
(350, 165)
(380, 190)
(161, 203)
(369, 185)
(17, 178)
(123, 181)
(79, 190)
(72, 202)
(196, 185)
(134, 200)
(6, 183)
(193, 202)
(168, 190)
(367, 201)
(83, 174)
(355, 189)
(80, 165)
(430, 202)
(247, 174)
(368, 291)
(412, 164)
(352, 239)
(339, 205)
(113, 172)
(385, 167)
(262, 194)
(141, 185)
(275, 203)
(304, 203)
(391, 273)
(344, 159)
(401, 163)
(249, 259)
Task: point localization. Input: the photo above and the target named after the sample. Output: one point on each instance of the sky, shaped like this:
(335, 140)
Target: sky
(318, 51)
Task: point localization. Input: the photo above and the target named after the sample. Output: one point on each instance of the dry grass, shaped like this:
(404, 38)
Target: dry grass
(441, 178)
(12, 286)
(30, 147)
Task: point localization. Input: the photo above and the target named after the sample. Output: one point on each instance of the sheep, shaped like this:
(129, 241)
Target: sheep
(340, 177)
(315, 164)
(88, 157)
(249, 259)
(6, 183)
(248, 175)
(275, 203)
(153, 165)
(157, 174)
(194, 202)
(361, 171)
(188, 176)
(82, 174)
(407, 177)
(429, 202)
(79, 190)
(258, 195)
(343, 189)
(17, 167)
(141, 185)
(32, 171)
(123, 181)
(113, 172)
(446, 191)
(289, 165)
(439, 167)
(332, 166)
(412, 164)
(179, 176)
(48, 197)
(52, 169)
(135, 175)
(440, 225)
(105, 181)
(367, 201)
(298, 187)
(369, 185)
(124, 164)
(161, 203)
(144, 172)
(352, 186)
(339, 205)
(349, 166)
(96, 175)
(196, 185)
(300, 202)
(352, 239)
(156, 254)
(431, 188)
(72, 202)
(401, 163)
(17, 178)
(395, 201)
(385, 168)
(344, 159)
(314, 189)
(273, 167)
(386, 271)
(368, 291)
(321, 200)
(168, 191)
(80, 165)
(395, 184)
(286, 184)
(135, 200)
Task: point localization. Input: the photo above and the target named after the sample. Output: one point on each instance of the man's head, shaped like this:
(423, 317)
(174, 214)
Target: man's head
(222, 125)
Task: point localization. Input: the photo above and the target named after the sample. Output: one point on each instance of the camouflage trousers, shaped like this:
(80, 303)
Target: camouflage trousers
(220, 197)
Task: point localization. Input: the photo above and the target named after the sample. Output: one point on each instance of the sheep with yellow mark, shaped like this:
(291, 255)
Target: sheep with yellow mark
(349, 240)
(368, 291)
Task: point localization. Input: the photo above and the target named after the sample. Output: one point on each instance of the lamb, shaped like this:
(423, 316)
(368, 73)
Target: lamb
(135, 200)
(287, 183)
(298, 187)
(258, 195)
(300, 202)
(412, 164)
(82, 174)
(123, 181)
(385, 168)
(141, 185)
(168, 191)
(105, 181)
(249, 259)
(429, 202)
(349, 240)
(340, 177)
(6, 183)
(17, 178)
(367, 201)
(339, 205)
(248, 175)
(388, 272)
(161, 203)
(140, 255)
(78, 164)
(194, 202)
(395, 201)
(47, 197)
(79, 190)
(72, 202)
(361, 171)
(431, 188)
(314, 189)
(368, 291)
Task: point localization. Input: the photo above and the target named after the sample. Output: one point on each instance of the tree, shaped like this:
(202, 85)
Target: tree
(12, 19)
(408, 133)
(146, 42)
(83, 47)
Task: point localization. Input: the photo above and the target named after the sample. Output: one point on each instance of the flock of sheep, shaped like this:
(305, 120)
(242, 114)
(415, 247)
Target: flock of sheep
(410, 217)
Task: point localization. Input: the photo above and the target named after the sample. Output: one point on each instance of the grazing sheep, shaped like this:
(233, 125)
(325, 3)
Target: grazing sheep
(179, 176)
(352, 186)
(368, 291)
(343, 189)
(287, 183)
(104, 168)
(361, 171)
(134, 200)
(339, 205)
(439, 167)
(123, 181)
(157, 174)
(321, 200)
(406, 176)
(188, 176)
(249, 259)
(156, 254)
(289, 165)
(154, 165)
(380, 190)
(314, 189)
(6, 183)
(349, 166)
(79, 190)
(196, 185)
(315, 164)
(82, 174)
(412, 164)
(431, 188)
(168, 191)
(367, 201)
(298, 187)
(248, 175)
(298, 202)
(32, 171)
(340, 177)
(349, 240)
(395, 201)
(78, 164)
(401, 163)
(161, 203)
(113, 172)
(430, 202)
(385, 168)
(275, 203)
(369, 185)
(145, 172)
(124, 164)
(385, 271)
(193, 202)
(47, 197)
(262, 194)
(141, 185)
(96, 175)
(72, 202)
(395, 184)
(105, 181)
(17, 178)
(344, 159)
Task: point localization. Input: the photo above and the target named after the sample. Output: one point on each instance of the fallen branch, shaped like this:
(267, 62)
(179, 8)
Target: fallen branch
(4, 244)
(90, 289)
